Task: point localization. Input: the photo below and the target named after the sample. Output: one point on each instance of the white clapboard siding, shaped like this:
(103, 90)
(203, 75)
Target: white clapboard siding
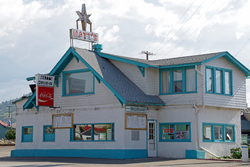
(238, 100)
(101, 96)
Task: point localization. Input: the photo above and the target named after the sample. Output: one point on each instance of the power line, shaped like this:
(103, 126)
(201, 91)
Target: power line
(175, 24)
(184, 23)
(193, 31)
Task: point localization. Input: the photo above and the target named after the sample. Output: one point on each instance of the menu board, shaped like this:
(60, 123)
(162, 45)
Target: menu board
(135, 121)
(60, 121)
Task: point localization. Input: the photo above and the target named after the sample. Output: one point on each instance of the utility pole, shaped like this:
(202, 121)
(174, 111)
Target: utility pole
(147, 53)
(10, 115)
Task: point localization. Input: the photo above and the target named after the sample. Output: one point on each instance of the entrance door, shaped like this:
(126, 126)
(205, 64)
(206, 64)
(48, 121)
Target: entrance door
(151, 139)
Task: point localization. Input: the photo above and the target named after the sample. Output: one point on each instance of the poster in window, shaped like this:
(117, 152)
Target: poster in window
(135, 121)
(60, 121)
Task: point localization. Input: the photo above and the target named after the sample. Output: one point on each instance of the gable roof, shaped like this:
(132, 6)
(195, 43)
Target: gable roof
(179, 61)
(122, 87)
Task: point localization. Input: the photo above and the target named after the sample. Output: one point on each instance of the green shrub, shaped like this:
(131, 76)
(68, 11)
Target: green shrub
(10, 134)
(236, 153)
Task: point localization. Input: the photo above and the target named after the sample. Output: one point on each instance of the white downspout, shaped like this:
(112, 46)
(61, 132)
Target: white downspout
(196, 115)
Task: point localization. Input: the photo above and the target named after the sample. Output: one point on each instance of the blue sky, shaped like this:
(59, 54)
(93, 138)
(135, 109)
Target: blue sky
(35, 34)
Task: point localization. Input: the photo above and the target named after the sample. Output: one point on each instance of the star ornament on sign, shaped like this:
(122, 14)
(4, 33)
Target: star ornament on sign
(84, 18)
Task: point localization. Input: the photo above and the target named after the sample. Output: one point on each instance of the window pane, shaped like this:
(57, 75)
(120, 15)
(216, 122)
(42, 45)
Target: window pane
(167, 132)
(82, 132)
(165, 84)
(227, 83)
(49, 130)
(182, 132)
(209, 80)
(81, 82)
(218, 81)
(102, 132)
(177, 75)
(207, 132)
(218, 133)
(178, 86)
(229, 133)
(190, 80)
(28, 131)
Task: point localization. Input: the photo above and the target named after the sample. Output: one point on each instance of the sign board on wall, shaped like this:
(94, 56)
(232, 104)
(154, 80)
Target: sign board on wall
(44, 90)
(83, 35)
(61, 121)
(136, 109)
(135, 121)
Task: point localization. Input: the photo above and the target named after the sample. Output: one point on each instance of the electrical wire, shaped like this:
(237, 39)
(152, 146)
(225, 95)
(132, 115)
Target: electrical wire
(175, 24)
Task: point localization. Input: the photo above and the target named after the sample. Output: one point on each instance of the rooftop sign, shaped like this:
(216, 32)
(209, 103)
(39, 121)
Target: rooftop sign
(83, 35)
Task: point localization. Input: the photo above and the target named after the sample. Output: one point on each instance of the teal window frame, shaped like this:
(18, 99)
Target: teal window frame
(214, 91)
(174, 140)
(48, 137)
(27, 137)
(72, 133)
(75, 71)
(223, 132)
(184, 91)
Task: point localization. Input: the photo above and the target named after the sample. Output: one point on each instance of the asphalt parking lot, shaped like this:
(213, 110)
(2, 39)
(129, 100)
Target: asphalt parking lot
(7, 161)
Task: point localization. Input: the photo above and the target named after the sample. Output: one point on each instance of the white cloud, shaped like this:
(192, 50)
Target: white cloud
(34, 34)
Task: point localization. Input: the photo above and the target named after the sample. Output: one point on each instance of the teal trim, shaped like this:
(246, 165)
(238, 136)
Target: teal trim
(98, 79)
(179, 65)
(48, 137)
(124, 60)
(223, 132)
(30, 103)
(72, 131)
(184, 81)
(142, 70)
(63, 62)
(97, 75)
(34, 104)
(223, 92)
(30, 78)
(195, 154)
(149, 104)
(71, 72)
(87, 153)
(232, 60)
(174, 140)
(27, 137)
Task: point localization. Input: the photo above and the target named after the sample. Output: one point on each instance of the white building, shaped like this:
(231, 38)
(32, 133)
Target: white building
(186, 107)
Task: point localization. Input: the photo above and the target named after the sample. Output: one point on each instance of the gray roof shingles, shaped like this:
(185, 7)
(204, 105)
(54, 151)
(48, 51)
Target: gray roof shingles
(174, 61)
(116, 79)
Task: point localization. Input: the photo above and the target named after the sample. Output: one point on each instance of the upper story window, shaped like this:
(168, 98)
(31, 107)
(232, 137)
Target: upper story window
(78, 82)
(218, 80)
(182, 80)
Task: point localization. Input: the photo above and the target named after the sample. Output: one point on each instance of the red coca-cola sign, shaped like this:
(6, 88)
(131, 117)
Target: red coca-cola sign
(45, 96)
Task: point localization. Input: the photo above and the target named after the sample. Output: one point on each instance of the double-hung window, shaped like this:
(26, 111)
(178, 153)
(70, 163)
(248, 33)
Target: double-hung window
(175, 132)
(78, 82)
(218, 80)
(218, 132)
(93, 132)
(181, 80)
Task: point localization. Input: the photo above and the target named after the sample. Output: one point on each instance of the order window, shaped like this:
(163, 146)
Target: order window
(218, 132)
(93, 132)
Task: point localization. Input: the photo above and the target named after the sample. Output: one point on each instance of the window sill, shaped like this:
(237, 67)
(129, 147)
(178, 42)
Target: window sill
(219, 94)
(78, 94)
(217, 141)
(92, 141)
(178, 93)
(174, 140)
